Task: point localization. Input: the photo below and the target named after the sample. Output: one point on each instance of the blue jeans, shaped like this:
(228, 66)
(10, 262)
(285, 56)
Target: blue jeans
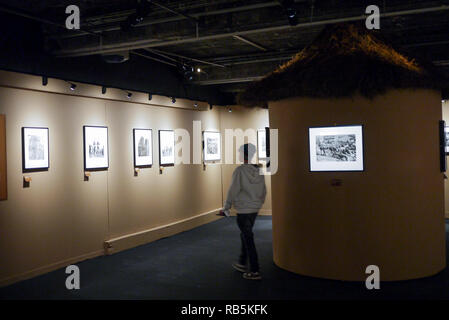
(248, 251)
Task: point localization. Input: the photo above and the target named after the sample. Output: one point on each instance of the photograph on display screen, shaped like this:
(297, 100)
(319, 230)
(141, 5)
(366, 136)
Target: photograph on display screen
(262, 144)
(35, 149)
(446, 135)
(338, 148)
(166, 147)
(143, 153)
(212, 146)
(95, 148)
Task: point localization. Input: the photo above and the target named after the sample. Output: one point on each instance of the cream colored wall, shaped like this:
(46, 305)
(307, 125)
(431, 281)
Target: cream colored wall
(391, 215)
(244, 118)
(62, 219)
(446, 182)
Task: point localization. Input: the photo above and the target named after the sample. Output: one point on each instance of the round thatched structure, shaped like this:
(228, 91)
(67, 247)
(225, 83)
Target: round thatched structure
(392, 213)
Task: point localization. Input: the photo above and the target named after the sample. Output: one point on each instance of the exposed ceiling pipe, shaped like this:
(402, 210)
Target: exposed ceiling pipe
(184, 57)
(149, 21)
(155, 59)
(153, 44)
(186, 16)
(250, 43)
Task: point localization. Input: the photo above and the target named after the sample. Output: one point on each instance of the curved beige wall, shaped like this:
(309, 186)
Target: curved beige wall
(391, 215)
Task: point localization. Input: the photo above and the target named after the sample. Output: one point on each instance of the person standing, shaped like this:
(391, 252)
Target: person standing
(247, 193)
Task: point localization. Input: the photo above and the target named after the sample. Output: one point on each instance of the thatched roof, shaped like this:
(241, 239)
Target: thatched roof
(344, 60)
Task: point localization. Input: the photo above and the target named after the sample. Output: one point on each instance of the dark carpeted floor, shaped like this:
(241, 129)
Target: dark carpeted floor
(196, 265)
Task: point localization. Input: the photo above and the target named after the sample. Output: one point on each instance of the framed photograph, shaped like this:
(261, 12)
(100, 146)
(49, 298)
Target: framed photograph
(338, 148)
(262, 144)
(166, 147)
(3, 184)
(446, 140)
(442, 132)
(143, 148)
(96, 151)
(35, 151)
(211, 146)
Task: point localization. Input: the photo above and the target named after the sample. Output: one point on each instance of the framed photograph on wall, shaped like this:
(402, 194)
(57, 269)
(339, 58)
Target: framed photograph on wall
(35, 150)
(3, 184)
(337, 148)
(446, 140)
(96, 151)
(166, 147)
(143, 148)
(211, 146)
(261, 144)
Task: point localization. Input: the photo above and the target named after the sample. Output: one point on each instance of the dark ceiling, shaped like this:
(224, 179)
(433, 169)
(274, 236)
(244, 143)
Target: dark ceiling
(232, 42)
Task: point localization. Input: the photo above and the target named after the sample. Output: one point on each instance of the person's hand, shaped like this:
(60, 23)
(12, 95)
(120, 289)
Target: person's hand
(223, 213)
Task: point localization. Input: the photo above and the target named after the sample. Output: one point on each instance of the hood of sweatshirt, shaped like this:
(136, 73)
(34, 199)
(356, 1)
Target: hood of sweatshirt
(252, 173)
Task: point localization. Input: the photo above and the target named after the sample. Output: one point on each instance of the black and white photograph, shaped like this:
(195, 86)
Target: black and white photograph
(212, 146)
(166, 147)
(96, 148)
(143, 149)
(35, 149)
(338, 148)
(261, 144)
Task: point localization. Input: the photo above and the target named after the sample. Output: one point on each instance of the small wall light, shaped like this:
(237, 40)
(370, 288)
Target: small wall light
(150, 96)
(195, 105)
(198, 70)
(210, 106)
(103, 90)
(44, 81)
(229, 110)
(129, 95)
(173, 100)
(72, 86)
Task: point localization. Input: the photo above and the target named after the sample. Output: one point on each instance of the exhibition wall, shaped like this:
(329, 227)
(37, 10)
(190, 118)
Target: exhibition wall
(446, 182)
(61, 216)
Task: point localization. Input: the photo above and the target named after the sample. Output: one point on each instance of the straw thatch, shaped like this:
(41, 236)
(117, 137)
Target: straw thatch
(344, 60)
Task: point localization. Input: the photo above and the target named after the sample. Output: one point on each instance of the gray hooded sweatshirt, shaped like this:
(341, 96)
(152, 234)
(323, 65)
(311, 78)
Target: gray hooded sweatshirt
(247, 191)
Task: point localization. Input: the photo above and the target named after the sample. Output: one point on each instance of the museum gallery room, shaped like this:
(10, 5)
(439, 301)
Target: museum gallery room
(224, 151)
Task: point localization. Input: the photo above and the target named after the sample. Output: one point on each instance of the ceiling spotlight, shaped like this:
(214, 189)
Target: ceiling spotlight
(150, 96)
(173, 100)
(103, 90)
(44, 81)
(142, 10)
(72, 86)
(129, 95)
(188, 71)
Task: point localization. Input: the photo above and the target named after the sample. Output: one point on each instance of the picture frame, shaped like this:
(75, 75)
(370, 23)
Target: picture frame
(336, 148)
(166, 148)
(262, 144)
(446, 140)
(443, 143)
(35, 149)
(211, 146)
(3, 173)
(143, 148)
(96, 148)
